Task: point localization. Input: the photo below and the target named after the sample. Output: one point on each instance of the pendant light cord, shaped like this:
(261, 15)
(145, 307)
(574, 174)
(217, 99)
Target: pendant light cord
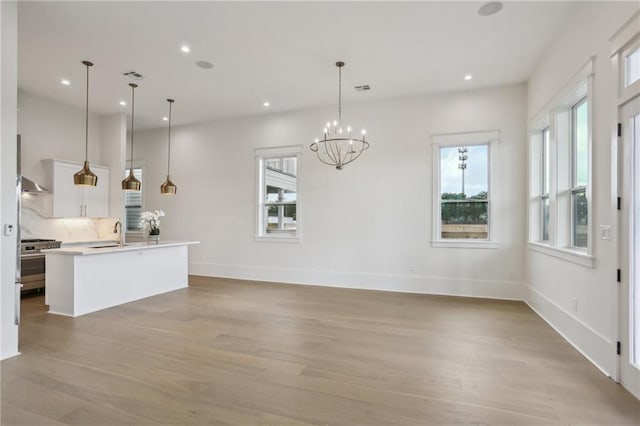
(86, 121)
(340, 95)
(133, 102)
(169, 153)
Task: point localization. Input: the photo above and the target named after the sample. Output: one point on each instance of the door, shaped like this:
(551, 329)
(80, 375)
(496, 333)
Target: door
(629, 116)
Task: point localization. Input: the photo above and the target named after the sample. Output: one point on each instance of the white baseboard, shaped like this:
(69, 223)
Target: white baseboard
(598, 349)
(11, 355)
(490, 289)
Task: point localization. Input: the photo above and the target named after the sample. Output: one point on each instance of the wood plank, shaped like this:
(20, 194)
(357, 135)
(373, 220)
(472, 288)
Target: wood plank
(234, 352)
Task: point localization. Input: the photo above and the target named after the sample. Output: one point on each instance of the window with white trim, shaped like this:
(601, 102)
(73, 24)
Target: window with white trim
(278, 202)
(133, 203)
(462, 190)
(560, 174)
(579, 173)
(632, 67)
(544, 197)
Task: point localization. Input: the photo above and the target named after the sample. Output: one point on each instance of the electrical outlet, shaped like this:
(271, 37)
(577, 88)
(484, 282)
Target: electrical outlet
(605, 232)
(9, 230)
(575, 304)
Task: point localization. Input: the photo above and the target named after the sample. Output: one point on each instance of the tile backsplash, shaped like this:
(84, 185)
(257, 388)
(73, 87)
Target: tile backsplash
(35, 223)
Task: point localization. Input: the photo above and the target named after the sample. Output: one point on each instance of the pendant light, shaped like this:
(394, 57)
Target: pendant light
(86, 177)
(168, 187)
(338, 147)
(130, 183)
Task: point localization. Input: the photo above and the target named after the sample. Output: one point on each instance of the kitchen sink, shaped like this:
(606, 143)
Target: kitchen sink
(110, 246)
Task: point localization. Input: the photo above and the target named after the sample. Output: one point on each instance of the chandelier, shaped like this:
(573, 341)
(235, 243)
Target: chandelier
(339, 147)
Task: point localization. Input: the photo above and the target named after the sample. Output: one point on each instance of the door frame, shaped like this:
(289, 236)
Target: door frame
(625, 38)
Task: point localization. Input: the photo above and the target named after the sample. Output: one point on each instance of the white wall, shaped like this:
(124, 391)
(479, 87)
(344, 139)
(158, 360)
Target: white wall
(8, 203)
(368, 226)
(554, 283)
(52, 130)
(113, 140)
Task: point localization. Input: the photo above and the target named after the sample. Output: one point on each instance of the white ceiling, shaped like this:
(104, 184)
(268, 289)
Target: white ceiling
(280, 52)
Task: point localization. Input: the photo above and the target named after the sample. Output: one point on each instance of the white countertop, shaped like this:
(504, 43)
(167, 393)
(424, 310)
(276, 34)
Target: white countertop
(114, 248)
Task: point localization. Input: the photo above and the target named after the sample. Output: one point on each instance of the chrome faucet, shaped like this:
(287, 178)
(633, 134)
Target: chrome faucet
(117, 228)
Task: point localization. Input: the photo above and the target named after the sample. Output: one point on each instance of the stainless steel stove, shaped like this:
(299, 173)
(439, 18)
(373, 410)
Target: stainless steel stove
(32, 262)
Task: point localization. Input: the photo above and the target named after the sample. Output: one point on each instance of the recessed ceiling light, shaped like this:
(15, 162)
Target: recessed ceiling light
(204, 65)
(65, 82)
(468, 77)
(490, 8)
(165, 118)
(266, 103)
(185, 48)
(123, 103)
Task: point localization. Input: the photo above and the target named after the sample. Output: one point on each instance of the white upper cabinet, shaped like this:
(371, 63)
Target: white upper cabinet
(70, 200)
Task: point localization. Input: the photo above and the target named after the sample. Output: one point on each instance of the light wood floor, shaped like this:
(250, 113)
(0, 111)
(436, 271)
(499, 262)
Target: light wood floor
(243, 353)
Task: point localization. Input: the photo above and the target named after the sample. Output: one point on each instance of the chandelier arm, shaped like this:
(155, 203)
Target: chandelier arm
(331, 154)
(350, 156)
(338, 147)
(365, 145)
(354, 158)
(325, 162)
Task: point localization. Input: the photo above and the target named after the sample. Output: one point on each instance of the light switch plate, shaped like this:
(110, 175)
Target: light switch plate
(605, 232)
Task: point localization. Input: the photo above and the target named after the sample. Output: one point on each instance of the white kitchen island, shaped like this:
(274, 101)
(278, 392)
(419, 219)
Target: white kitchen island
(81, 280)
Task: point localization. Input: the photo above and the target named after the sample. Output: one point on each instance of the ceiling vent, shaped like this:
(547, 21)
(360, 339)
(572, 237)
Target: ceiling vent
(133, 75)
(363, 88)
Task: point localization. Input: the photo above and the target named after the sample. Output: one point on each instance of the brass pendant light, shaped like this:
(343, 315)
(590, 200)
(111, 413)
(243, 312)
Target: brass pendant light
(130, 183)
(168, 187)
(85, 177)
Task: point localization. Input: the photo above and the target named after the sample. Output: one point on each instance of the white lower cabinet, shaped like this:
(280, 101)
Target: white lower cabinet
(70, 200)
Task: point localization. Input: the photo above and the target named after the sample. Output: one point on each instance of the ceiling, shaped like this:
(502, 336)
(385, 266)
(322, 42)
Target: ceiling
(283, 52)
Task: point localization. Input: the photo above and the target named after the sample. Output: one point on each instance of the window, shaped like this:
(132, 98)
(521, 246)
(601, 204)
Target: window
(544, 197)
(559, 173)
(133, 203)
(278, 204)
(632, 67)
(579, 172)
(462, 206)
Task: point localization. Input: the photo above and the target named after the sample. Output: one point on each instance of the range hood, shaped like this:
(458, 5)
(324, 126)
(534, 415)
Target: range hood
(32, 187)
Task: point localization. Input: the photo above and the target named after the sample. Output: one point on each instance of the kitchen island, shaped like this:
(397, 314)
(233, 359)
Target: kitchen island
(81, 280)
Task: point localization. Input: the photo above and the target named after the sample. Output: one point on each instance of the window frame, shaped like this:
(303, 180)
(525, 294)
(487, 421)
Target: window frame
(557, 114)
(626, 91)
(263, 154)
(545, 182)
(137, 164)
(575, 188)
(466, 139)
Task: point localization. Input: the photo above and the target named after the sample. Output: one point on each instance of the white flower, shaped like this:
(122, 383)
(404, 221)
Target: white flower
(150, 219)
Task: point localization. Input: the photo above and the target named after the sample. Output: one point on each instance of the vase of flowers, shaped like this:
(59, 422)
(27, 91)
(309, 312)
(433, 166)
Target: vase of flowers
(150, 223)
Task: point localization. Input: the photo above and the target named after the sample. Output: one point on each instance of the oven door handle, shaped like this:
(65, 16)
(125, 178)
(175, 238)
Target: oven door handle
(31, 255)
